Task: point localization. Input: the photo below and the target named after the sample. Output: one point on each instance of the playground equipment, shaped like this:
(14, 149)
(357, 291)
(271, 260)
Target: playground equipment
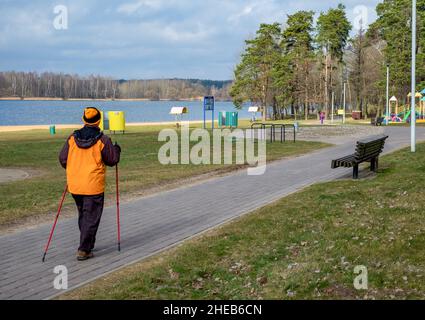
(422, 102)
(417, 95)
(407, 114)
(404, 116)
(392, 101)
(178, 112)
(419, 109)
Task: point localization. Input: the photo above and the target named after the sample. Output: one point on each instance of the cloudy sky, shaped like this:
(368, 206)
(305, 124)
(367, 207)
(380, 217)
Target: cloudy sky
(143, 38)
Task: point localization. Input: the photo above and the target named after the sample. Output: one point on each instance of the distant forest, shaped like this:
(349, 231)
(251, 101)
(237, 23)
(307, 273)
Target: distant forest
(66, 86)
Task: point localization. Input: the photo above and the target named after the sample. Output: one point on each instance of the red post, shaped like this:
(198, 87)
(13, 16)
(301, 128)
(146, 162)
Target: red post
(54, 224)
(118, 209)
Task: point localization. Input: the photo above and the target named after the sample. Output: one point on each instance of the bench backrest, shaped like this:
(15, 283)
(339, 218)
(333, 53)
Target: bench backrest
(369, 148)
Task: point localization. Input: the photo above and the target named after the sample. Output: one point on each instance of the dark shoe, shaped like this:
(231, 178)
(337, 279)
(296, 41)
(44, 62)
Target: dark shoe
(82, 255)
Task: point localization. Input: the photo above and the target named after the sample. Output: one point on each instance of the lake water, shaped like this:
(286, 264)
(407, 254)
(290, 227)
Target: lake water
(70, 112)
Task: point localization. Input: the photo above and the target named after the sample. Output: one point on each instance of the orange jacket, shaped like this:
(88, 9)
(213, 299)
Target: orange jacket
(84, 156)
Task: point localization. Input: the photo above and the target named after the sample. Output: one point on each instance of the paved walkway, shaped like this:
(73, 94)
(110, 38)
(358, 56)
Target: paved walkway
(156, 222)
(7, 175)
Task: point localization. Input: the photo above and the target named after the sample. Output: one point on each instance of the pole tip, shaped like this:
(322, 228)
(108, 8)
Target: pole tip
(119, 246)
(44, 257)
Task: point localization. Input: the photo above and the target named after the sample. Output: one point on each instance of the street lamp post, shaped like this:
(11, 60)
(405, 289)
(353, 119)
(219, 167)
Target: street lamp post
(343, 119)
(413, 91)
(387, 109)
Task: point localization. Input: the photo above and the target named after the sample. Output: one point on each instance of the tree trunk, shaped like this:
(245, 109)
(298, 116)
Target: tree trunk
(264, 103)
(326, 100)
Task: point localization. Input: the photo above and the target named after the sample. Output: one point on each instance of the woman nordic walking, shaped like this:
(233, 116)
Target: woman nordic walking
(85, 155)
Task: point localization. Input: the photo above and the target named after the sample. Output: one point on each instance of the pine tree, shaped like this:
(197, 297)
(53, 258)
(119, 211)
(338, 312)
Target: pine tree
(394, 27)
(356, 62)
(253, 76)
(297, 45)
(333, 29)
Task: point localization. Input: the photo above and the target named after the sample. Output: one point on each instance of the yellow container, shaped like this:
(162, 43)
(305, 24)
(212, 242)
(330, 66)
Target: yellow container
(101, 121)
(116, 121)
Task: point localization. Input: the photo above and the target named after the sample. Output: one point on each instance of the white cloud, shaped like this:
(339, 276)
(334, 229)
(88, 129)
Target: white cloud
(142, 38)
(172, 34)
(22, 24)
(235, 17)
(260, 11)
(132, 7)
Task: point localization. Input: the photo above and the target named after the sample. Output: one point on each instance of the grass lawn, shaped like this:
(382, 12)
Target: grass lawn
(139, 168)
(304, 246)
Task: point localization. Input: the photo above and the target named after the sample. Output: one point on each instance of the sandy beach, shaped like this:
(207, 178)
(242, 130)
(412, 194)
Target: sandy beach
(72, 126)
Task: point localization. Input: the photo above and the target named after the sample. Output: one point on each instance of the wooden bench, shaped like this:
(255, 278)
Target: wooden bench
(366, 151)
(377, 121)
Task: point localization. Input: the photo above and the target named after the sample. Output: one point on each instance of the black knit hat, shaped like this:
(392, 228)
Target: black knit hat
(91, 116)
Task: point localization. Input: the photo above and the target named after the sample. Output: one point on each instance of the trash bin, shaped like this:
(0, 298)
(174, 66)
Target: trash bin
(228, 119)
(104, 121)
(52, 130)
(101, 124)
(232, 119)
(221, 119)
(116, 121)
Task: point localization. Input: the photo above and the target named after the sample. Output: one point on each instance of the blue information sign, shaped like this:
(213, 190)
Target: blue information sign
(209, 103)
(209, 106)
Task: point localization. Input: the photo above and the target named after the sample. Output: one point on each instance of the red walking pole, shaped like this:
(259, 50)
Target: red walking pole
(118, 208)
(56, 220)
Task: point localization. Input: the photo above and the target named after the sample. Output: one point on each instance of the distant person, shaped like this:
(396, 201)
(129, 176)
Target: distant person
(84, 156)
(322, 117)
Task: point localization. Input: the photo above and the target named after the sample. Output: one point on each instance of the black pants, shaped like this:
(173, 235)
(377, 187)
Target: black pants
(90, 210)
